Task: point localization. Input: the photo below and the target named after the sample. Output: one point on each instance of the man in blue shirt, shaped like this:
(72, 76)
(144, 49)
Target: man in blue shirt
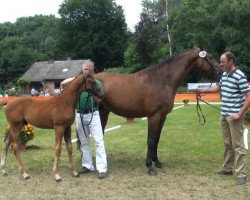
(235, 101)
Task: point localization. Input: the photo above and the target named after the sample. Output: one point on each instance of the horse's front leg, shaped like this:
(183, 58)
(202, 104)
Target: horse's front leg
(155, 124)
(157, 162)
(59, 131)
(6, 144)
(104, 114)
(68, 142)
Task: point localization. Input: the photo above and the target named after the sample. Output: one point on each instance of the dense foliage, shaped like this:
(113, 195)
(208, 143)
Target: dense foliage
(93, 29)
(219, 25)
(96, 29)
(28, 40)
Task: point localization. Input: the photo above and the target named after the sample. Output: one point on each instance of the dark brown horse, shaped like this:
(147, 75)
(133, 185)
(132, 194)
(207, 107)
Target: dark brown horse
(150, 93)
(56, 112)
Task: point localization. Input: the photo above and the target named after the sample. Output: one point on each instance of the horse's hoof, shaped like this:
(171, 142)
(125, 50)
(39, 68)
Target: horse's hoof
(58, 178)
(26, 176)
(76, 174)
(152, 172)
(4, 173)
(159, 165)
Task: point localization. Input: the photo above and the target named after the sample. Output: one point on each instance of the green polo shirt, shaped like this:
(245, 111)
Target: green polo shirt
(85, 102)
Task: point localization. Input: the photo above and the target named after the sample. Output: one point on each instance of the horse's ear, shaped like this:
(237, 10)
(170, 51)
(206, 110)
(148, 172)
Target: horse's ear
(88, 77)
(201, 47)
(85, 76)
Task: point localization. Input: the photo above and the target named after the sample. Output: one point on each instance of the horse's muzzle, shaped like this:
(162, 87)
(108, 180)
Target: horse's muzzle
(98, 95)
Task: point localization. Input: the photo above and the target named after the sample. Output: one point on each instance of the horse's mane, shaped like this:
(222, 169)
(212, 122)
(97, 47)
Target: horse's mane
(66, 85)
(168, 59)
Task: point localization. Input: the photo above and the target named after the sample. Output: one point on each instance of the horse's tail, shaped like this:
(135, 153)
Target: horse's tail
(3, 104)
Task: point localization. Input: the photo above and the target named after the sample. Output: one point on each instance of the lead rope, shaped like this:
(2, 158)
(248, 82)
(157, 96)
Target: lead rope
(202, 119)
(82, 114)
(199, 111)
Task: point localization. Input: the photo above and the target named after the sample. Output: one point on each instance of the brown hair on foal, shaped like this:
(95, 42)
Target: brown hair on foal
(57, 112)
(150, 93)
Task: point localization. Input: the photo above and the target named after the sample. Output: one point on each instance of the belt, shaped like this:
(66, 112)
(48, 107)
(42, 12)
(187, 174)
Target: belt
(87, 111)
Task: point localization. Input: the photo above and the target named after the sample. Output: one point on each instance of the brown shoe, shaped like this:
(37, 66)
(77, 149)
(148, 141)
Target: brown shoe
(241, 180)
(224, 173)
(102, 175)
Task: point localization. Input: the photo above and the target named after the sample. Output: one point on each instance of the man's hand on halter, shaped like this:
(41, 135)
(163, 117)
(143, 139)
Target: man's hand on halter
(66, 81)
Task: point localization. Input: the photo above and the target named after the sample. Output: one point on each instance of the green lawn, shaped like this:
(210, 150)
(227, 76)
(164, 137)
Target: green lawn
(190, 153)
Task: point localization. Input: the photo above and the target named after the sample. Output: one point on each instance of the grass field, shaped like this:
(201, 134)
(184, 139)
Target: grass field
(190, 154)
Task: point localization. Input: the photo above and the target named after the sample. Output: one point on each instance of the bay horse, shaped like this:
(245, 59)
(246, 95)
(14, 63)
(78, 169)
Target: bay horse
(150, 93)
(57, 112)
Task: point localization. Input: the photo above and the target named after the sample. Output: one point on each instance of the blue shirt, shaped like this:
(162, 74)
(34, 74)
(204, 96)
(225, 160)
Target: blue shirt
(233, 87)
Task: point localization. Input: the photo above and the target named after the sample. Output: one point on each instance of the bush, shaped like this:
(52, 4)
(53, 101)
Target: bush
(121, 70)
(23, 82)
(247, 114)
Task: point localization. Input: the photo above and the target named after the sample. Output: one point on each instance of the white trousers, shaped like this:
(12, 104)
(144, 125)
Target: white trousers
(95, 129)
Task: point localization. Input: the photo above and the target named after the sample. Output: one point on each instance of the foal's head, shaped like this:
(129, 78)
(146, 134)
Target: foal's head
(92, 87)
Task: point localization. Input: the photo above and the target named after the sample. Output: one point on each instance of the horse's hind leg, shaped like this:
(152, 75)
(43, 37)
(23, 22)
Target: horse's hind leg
(6, 144)
(155, 124)
(68, 142)
(15, 138)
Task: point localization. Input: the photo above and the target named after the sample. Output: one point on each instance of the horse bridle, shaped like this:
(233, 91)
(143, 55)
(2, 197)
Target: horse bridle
(202, 119)
(203, 56)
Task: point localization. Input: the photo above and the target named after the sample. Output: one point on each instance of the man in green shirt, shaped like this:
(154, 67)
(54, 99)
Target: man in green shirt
(86, 102)
(88, 122)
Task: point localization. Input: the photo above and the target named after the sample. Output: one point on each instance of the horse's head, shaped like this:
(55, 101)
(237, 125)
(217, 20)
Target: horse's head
(207, 64)
(92, 87)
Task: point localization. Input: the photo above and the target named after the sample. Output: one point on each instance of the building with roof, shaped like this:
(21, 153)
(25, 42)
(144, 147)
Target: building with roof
(49, 74)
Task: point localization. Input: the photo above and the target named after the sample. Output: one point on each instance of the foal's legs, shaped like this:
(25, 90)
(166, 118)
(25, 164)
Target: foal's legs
(59, 131)
(15, 131)
(155, 124)
(67, 139)
(6, 144)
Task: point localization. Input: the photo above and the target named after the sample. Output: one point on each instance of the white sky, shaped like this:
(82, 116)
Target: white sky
(10, 10)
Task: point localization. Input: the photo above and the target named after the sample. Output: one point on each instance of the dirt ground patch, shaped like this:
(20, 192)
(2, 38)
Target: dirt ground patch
(168, 185)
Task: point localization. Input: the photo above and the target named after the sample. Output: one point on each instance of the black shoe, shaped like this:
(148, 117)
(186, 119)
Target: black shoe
(224, 173)
(102, 175)
(84, 170)
(241, 180)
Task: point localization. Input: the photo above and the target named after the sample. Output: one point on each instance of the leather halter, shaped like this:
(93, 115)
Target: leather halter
(203, 56)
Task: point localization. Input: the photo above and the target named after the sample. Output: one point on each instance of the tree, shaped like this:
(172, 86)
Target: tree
(23, 83)
(22, 43)
(192, 23)
(38, 33)
(232, 31)
(94, 29)
(151, 32)
(131, 59)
